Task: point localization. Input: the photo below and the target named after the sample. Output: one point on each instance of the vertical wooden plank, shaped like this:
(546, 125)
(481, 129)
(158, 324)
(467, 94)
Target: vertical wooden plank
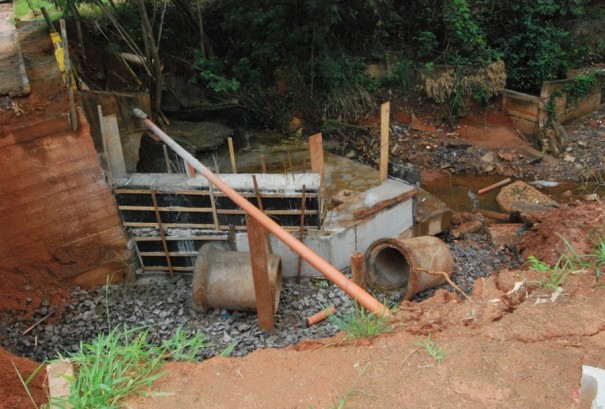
(167, 159)
(232, 155)
(357, 269)
(263, 164)
(317, 152)
(385, 110)
(114, 146)
(302, 232)
(73, 117)
(317, 165)
(257, 237)
(259, 201)
(104, 140)
(213, 205)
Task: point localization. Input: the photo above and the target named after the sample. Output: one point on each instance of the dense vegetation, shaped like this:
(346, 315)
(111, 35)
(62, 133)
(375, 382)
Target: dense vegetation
(311, 56)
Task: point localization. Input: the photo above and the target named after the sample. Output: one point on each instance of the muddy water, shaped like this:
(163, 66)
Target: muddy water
(283, 153)
(459, 192)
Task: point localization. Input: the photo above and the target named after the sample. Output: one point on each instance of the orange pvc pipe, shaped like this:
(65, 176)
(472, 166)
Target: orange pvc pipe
(329, 271)
(320, 316)
(495, 185)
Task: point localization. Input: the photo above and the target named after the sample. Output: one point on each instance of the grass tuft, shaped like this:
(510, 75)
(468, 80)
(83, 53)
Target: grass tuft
(433, 350)
(360, 323)
(122, 362)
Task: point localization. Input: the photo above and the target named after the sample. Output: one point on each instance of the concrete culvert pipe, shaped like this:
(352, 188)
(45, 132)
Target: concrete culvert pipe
(223, 279)
(394, 264)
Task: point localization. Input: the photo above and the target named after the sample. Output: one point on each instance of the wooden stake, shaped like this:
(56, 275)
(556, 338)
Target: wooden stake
(167, 158)
(232, 155)
(384, 140)
(317, 153)
(162, 234)
(263, 165)
(259, 202)
(257, 239)
(213, 205)
(358, 270)
(302, 232)
(104, 140)
(318, 166)
(68, 78)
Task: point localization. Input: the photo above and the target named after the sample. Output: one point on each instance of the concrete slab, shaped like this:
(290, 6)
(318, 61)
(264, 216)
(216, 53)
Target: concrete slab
(12, 68)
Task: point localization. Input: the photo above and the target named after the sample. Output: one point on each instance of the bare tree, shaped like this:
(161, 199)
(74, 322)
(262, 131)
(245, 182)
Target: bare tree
(155, 64)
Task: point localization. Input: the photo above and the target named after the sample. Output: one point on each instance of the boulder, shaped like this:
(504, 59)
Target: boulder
(522, 192)
(199, 137)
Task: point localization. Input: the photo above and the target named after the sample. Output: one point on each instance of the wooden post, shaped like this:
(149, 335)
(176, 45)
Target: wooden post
(232, 155)
(105, 150)
(68, 78)
(263, 164)
(257, 238)
(217, 226)
(111, 136)
(190, 170)
(317, 152)
(259, 201)
(357, 269)
(317, 165)
(384, 140)
(162, 234)
(302, 233)
(167, 158)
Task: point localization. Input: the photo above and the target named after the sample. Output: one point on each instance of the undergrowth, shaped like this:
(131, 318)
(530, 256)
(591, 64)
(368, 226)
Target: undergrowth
(571, 262)
(122, 362)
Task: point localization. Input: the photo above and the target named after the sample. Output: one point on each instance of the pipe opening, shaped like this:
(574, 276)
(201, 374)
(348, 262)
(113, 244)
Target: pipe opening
(391, 269)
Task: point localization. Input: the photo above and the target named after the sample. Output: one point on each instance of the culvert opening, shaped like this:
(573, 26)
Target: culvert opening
(390, 269)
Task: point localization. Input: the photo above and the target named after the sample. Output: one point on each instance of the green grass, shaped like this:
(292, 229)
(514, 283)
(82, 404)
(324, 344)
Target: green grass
(553, 277)
(122, 362)
(360, 323)
(433, 350)
(22, 8)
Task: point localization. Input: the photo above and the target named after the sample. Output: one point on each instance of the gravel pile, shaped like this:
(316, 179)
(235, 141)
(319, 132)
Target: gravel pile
(163, 304)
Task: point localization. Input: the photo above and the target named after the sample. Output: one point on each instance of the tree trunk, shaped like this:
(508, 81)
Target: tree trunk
(157, 82)
(201, 24)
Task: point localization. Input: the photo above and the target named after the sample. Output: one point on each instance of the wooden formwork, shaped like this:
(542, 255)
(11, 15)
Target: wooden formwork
(169, 225)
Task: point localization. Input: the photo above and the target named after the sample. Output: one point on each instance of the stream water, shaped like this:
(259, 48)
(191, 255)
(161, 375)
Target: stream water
(283, 154)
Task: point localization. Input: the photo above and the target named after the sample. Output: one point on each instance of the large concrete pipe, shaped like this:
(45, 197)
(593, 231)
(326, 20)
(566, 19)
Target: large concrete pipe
(223, 279)
(329, 271)
(395, 264)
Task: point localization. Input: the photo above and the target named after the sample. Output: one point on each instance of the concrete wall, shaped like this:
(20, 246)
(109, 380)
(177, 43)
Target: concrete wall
(569, 110)
(524, 110)
(529, 112)
(343, 234)
(57, 214)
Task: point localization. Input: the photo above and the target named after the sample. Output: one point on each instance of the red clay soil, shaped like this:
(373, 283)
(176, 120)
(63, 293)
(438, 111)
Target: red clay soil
(581, 226)
(13, 393)
(501, 351)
